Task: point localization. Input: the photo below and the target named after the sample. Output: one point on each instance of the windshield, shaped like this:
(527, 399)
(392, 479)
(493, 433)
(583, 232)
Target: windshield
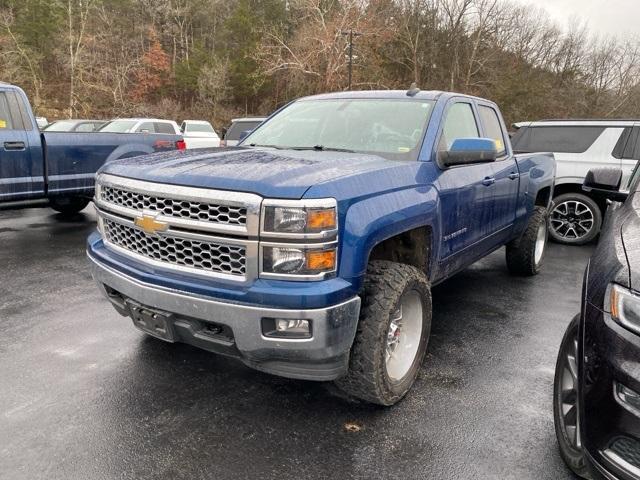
(236, 128)
(60, 126)
(199, 127)
(387, 127)
(118, 126)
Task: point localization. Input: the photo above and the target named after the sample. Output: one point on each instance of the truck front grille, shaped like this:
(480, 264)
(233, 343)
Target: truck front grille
(206, 256)
(193, 210)
(190, 230)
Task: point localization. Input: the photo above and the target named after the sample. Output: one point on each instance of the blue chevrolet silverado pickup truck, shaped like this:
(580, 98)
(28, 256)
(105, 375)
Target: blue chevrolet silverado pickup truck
(310, 250)
(58, 168)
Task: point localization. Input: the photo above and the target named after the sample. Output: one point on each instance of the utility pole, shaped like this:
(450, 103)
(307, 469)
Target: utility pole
(351, 34)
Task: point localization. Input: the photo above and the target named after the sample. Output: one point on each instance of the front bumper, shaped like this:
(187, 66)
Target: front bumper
(324, 356)
(610, 425)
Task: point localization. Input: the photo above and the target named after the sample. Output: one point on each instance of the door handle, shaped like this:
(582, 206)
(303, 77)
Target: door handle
(14, 145)
(514, 175)
(488, 181)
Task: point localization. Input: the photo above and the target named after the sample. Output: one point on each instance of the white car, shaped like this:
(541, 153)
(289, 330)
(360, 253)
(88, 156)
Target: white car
(578, 146)
(199, 134)
(141, 125)
(238, 128)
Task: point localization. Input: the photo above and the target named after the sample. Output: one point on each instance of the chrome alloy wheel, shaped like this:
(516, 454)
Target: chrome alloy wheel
(541, 243)
(568, 395)
(403, 336)
(572, 220)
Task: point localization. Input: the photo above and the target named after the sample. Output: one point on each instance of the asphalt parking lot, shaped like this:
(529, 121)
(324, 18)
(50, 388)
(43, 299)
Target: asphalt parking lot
(85, 395)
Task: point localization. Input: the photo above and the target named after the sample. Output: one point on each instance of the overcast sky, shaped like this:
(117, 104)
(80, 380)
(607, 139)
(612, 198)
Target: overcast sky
(613, 17)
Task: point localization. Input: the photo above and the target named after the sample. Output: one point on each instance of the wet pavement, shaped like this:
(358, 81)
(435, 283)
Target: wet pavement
(84, 395)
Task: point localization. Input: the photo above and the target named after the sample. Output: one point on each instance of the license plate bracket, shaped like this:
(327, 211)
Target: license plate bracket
(152, 321)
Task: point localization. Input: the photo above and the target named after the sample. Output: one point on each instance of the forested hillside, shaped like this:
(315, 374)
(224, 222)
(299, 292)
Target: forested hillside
(214, 59)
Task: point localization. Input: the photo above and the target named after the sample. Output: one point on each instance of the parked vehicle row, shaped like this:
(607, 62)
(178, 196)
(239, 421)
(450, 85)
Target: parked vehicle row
(578, 146)
(310, 252)
(58, 168)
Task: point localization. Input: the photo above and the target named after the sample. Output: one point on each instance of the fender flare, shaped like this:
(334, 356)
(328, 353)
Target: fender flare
(375, 219)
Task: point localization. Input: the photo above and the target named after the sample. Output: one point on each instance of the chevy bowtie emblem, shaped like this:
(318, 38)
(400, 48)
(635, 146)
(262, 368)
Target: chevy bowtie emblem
(149, 224)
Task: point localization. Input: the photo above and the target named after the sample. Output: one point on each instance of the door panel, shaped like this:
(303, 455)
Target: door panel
(466, 194)
(505, 172)
(18, 179)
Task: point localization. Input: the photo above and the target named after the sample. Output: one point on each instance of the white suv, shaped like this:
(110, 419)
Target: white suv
(578, 146)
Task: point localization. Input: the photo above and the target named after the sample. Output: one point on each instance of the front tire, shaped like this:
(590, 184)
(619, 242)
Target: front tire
(565, 402)
(69, 205)
(392, 336)
(575, 219)
(525, 255)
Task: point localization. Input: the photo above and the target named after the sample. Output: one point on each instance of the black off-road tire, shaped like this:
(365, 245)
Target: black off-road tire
(69, 205)
(574, 457)
(596, 211)
(521, 252)
(384, 286)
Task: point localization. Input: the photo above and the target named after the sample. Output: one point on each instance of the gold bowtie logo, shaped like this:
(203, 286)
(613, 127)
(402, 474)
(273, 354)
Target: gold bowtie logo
(150, 225)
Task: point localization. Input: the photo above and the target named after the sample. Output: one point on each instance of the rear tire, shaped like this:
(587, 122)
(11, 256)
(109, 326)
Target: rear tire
(575, 219)
(392, 336)
(525, 255)
(565, 402)
(69, 205)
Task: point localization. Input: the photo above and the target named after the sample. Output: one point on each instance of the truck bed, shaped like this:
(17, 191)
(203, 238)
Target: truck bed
(72, 158)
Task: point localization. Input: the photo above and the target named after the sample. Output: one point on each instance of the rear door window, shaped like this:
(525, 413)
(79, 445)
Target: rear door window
(146, 127)
(493, 128)
(85, 127)
(559, 139)
(6, 118)
(164, 127)
(632, 148)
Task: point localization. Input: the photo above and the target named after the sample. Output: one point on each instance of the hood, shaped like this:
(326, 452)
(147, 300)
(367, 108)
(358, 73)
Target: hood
(631, 239)
(267, 172)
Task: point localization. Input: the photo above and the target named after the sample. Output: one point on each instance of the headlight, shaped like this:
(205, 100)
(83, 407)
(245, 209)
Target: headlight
(298, 261)
(300, 218)
(625, 308)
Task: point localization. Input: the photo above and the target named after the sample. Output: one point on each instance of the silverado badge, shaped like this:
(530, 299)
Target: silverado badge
(149, 224)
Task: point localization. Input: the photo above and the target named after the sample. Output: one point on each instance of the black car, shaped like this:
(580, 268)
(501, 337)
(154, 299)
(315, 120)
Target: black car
(597, 381)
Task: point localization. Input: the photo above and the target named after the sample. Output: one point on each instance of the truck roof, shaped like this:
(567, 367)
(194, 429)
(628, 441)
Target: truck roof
(579, 122)
(425, 95)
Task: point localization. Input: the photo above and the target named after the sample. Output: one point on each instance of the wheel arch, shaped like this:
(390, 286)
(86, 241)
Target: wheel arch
(575, 187)
(398, 226)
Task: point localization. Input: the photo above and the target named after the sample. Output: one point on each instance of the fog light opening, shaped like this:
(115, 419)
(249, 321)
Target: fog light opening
(286, 328)
(628, 398)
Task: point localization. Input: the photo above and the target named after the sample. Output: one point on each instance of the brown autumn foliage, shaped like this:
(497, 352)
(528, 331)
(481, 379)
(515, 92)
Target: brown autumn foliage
(215, 59)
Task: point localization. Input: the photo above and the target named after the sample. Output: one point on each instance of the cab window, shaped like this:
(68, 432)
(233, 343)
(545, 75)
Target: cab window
(460, 123)
(6, 120)
(146, 127)
(493, 128)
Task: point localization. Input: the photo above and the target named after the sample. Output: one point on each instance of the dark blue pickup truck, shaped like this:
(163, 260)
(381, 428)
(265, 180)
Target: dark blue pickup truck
(58, 168)
(310, 250)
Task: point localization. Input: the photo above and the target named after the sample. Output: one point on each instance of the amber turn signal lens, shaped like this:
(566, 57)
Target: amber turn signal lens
(324, 260)
(615, 311)
(321, 219)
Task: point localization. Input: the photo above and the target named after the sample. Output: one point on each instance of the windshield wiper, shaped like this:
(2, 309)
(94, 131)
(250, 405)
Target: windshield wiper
(278, 147)
(322, 148)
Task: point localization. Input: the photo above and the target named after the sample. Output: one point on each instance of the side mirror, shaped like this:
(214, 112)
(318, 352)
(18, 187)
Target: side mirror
(144, 130)
(465, 151)
(605, 182)
(244, 135)
(223, 132)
